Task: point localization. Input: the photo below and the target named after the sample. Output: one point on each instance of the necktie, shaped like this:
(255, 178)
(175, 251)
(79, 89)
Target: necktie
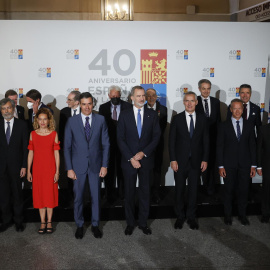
(245, 111)
(8, 132)
(139, 123)
(114, 115)
(191, 128)
(74, 112)
(238, 131)
(87, 128)
(206, 108)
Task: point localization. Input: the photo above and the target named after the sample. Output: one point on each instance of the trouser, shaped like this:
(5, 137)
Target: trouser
(78, 188)
(237, 180)
(130, 177)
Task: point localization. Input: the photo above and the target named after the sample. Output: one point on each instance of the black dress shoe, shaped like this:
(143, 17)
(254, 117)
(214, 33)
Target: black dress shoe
(129, 230)
(244, 221)
(146, 230)
(179, 223)
(193, 224)
(79, 233)
(265, 219)
(5, 226)
(228, 220)
(19, 227)
(96, 232)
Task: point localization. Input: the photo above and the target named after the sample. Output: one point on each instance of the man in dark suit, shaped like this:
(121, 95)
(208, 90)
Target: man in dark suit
(86, 151)
(236, 159)
(251, 111)
(153, 104)
(73, 108)
(13, 159)
(209, 106)
(263, 169)
(189, 150)
(34, 103)
(138, 134)
(19, 110)
(111, 110)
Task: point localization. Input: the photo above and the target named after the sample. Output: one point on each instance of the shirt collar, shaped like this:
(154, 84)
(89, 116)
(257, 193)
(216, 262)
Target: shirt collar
(136, 109)
(10, 121)
(187, 113)
(154, 107)
(240, 120)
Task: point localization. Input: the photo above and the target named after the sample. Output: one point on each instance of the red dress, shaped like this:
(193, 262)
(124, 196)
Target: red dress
(45, 191)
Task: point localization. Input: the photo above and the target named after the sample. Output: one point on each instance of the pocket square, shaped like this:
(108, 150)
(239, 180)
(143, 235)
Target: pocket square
(253, 113)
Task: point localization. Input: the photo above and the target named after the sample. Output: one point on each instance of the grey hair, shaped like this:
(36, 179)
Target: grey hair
(190, 93)
(4, 101)
(114, 87)
(236, 100)
(134, 88)
(76, 95)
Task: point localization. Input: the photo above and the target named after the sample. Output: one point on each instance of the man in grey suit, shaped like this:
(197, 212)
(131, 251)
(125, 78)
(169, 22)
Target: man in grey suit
(86, 151)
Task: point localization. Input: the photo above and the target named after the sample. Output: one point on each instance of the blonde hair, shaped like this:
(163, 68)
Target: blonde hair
(46, 111)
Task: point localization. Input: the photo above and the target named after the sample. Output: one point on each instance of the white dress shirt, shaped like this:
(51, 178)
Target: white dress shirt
(77, 112)
(118, 107)
(84, 119)
(188, 118)
(11, 125)
(248, 109)
(208, 102)
(154, 107)
(135, 110)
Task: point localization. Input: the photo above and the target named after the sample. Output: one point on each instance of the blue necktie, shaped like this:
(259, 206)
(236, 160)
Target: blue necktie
(8, 132)
(87, 128)
(206, 108)
(191, 128)
(74, 112)
(238, 131)
(139, 123)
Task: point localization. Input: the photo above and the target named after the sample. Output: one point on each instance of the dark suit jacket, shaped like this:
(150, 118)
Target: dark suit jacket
(81, 154)
(20, 112)
(254, 115)
(263, 147)
(162, 114)
(181, 145)
(213, 122)
(234, 154)
(30, 116)
(130, 143)
(105, 110)
(65, 113)
(14, 154)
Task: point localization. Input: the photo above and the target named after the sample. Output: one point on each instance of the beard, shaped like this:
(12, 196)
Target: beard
(8, 116)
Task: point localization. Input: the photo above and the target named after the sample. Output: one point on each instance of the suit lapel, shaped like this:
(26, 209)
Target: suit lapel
(92, 125)
(232, 131)
(146, 117)
(81, 124)
(2, 131)
(184, 123)
(131, 119)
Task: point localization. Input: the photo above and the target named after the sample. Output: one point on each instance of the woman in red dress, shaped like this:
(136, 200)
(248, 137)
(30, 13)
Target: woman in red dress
(44, 154)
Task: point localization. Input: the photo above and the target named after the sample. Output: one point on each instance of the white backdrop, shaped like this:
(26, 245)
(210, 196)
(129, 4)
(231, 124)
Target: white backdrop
(57, 57)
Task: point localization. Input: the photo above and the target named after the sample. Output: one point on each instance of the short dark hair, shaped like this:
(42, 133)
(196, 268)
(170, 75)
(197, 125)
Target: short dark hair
(134, 88)
(204, 81)
(245, 86)
(237, 100)
(34, 94)
(10, 92)
(85, 95)
(76, 94)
